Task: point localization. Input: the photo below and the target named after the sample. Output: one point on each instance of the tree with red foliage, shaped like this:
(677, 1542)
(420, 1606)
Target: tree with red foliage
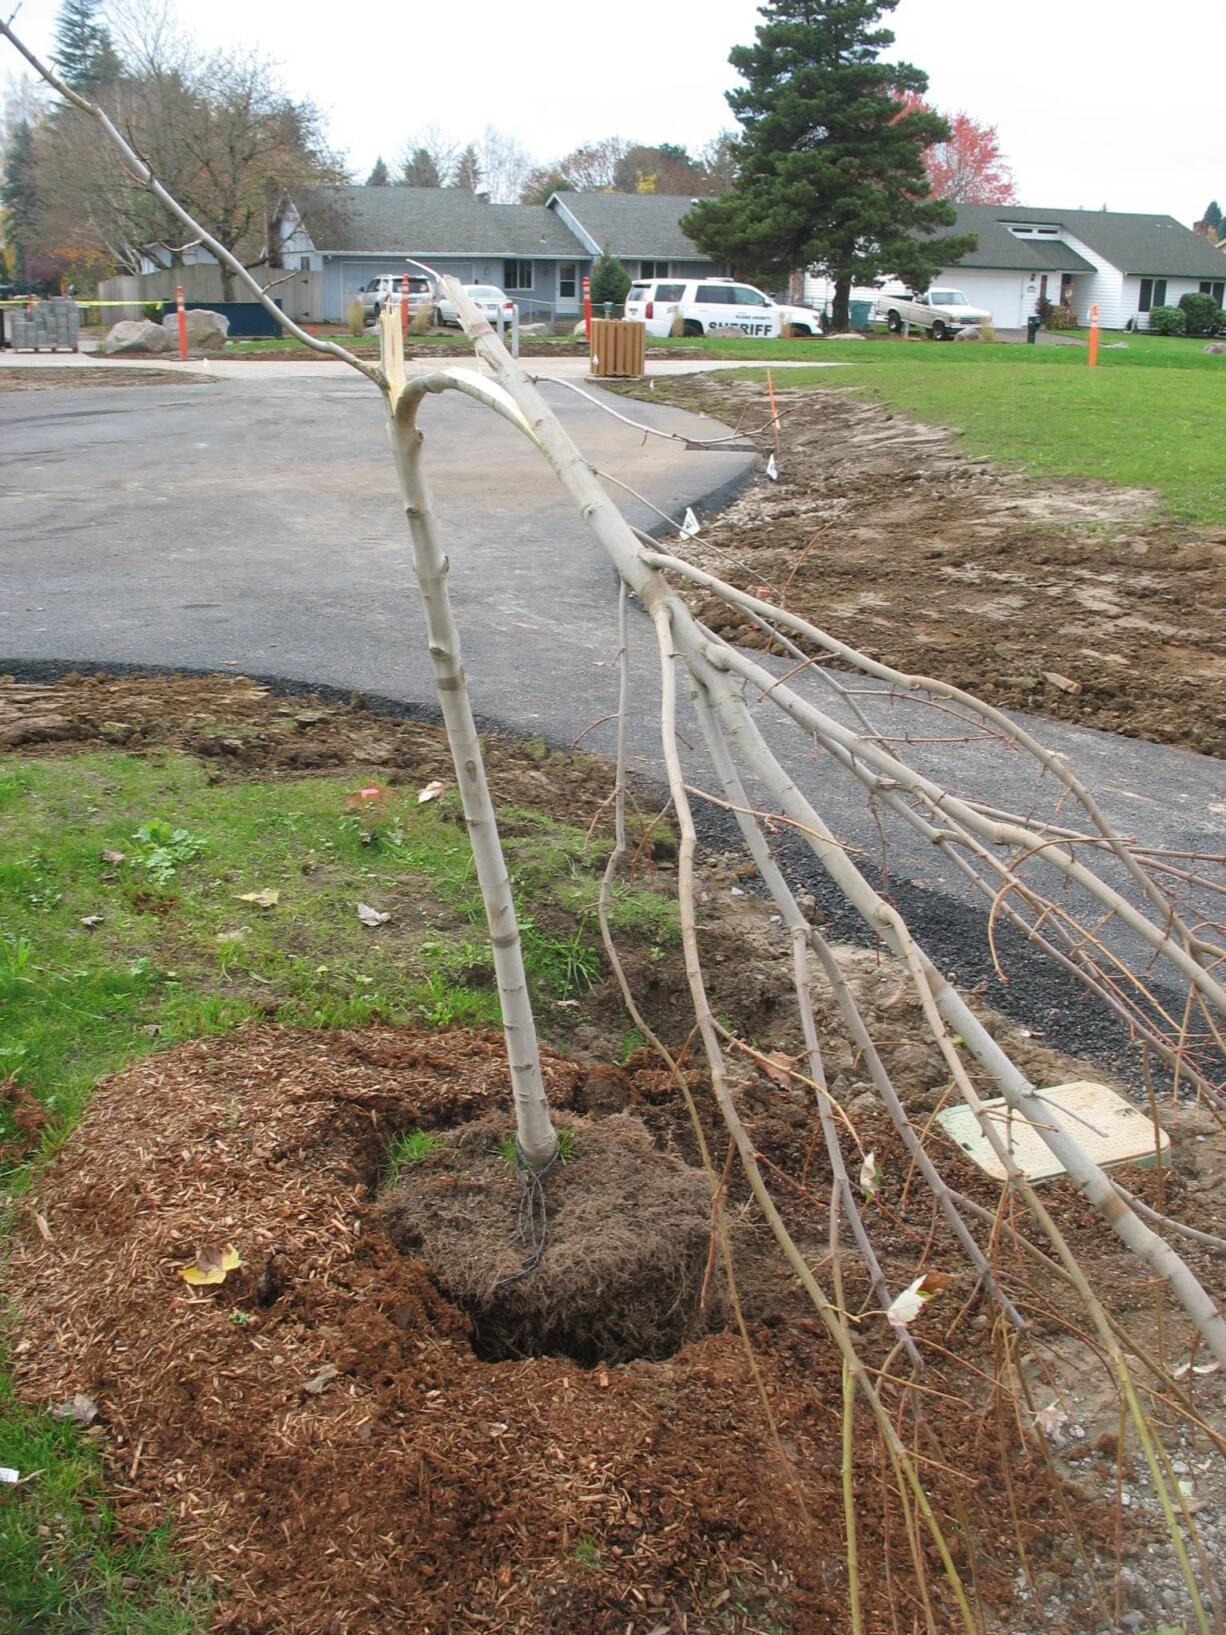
(969, 168)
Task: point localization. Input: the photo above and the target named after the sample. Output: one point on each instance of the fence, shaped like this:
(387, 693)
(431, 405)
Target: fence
(301, 295)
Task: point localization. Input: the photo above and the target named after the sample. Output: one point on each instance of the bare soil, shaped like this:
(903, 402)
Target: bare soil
(243, 730)
(1066, 599)
(36, 379)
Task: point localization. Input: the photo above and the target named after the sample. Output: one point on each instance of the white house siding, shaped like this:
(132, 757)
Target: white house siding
(1175, 287)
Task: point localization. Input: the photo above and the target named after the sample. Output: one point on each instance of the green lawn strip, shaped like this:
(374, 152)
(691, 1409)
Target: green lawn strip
(1136, 351)
(1128, 424)
(164, 965)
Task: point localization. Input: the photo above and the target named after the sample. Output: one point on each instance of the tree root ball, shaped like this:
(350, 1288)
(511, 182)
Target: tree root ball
(625, 1257)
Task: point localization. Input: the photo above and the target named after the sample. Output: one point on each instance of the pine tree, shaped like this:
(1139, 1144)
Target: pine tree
(420, 170)
(379, 175)
(468, 170)
(830, 171)
(84, 51)
(610, 280)
(1213, 215)
(18, 199)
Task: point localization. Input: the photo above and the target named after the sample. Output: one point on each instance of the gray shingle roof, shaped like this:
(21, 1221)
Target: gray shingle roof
(635, 224)
(1135, 243)
(429, 221)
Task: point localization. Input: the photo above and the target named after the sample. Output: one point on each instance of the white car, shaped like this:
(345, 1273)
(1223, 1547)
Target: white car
(942, 312)
(390, 289)
(488, 298)
(715, 306)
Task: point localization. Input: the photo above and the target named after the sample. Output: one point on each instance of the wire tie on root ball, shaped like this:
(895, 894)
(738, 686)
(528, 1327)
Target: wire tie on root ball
(533, 1219)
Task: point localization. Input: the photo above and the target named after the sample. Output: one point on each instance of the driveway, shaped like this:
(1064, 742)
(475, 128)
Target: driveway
(254, 525)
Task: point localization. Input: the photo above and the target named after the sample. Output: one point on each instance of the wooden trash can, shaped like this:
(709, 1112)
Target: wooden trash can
(618, 347)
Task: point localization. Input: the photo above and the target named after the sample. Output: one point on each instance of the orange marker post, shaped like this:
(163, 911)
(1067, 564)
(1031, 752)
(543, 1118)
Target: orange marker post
(182, 323)
(587, 311)
(770, 387)
(1094, 336)
(404, 304)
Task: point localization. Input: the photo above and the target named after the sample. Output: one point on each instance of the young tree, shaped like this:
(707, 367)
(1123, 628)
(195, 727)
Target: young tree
(541, 183)
(428, 159)
(830, 174)
(504, 165)
(610, 280)
(968, 167)
(84, 51)
(467, 170)
(379, 176)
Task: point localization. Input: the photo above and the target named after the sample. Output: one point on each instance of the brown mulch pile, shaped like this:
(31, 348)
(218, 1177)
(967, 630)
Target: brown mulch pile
(1065, 599)
(243, 729)
(334, 1454)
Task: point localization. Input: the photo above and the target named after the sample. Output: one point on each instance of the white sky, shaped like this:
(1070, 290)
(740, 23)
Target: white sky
(1096, 101)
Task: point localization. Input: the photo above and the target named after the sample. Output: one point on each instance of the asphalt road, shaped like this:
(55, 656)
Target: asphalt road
(254, 525)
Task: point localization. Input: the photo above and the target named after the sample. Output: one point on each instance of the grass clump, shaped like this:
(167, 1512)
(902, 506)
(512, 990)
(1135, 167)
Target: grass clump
(407, 1151)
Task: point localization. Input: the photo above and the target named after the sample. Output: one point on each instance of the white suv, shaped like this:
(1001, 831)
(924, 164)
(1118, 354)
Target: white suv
(715, 306)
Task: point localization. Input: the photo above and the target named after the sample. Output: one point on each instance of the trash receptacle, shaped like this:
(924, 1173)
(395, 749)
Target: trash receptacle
(1032, 328)
(860, 312)
(617, 347)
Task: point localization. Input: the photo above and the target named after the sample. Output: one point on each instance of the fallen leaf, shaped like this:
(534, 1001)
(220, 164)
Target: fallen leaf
(906, 1307)
(113, 857)
(371, 916)
(321, 1381)
(211, 1265)
(870, 1174)
(82, 1410)
(44, 1230)
(1051, 1419)
(776, 1067)
(268, 898)
(431, 791)
(91, 920)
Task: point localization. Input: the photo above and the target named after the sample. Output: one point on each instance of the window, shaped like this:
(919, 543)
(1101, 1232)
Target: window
(517, 275)
(304, 263)
(669, 292)
(715, 295)
(1153, 294)
(1043, 288)
(566, 280)
(1216, 290)
(746, 297)
(653, 269)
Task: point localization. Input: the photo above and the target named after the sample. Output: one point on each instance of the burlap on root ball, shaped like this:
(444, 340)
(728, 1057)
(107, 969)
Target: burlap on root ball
(626, 1252)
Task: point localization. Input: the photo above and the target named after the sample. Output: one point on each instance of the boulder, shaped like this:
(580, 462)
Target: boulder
(206, 331)
(970, 333)
(139, 336)
(1215, 349)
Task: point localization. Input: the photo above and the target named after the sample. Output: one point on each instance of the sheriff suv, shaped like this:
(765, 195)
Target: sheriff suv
(715, 306)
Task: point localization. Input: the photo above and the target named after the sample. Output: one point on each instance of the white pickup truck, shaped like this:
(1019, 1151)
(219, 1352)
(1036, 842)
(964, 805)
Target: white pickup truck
(942, 312)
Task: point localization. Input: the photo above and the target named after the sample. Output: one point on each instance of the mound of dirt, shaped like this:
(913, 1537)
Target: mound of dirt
(1067, 599)
(336, 1457)
(626, 1229)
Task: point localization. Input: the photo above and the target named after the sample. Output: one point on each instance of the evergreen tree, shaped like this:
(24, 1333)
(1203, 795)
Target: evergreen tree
(84, 51)
(830, 170)
(18, 198)
(420, 170)
(1213, 215)
(379, 176)
(468, 170)
(610, 280)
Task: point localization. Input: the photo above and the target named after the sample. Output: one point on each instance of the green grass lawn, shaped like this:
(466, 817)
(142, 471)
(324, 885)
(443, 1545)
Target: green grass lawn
(176, 953)
(1152, 416)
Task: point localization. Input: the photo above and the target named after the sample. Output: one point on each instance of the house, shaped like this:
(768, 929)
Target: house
(338, 238)
(643, 230)
(1125, 263)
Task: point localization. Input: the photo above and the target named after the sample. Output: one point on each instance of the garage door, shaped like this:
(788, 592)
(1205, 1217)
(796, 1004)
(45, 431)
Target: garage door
(1000, 293)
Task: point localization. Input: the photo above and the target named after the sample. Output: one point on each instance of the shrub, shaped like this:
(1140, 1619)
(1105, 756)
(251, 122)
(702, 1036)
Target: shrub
(1167, 321)
(1062, 318)
(610, 280)
(422, 321)
(355, 317)
(1044, 308)
(1200, 313)
(152, 310)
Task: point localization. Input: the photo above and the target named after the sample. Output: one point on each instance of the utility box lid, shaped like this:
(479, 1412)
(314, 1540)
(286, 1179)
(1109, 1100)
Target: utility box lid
(1107, 1128)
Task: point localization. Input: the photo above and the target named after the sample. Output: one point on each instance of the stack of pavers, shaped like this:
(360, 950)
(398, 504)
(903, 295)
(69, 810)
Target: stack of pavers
(50, 326)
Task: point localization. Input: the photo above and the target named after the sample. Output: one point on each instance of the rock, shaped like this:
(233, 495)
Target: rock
(206, 331)
(579, 329)
(1215, 349)
(37, 729)
(848, 335)
(970, 333)
(140, 337)
(1064, 684)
